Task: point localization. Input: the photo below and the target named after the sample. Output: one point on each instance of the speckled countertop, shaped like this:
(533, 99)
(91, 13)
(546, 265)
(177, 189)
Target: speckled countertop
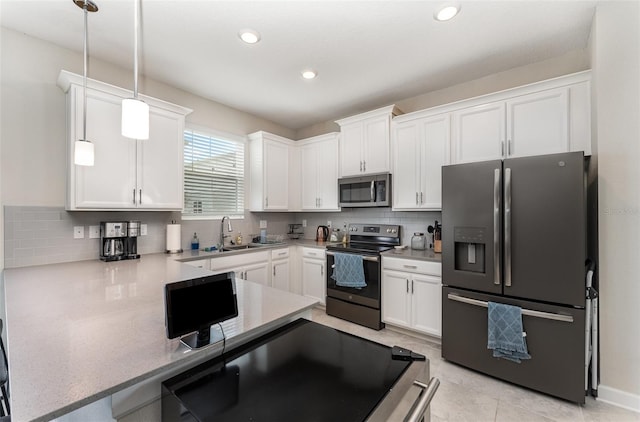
(408, 253)
(78, 332)
(190, 255)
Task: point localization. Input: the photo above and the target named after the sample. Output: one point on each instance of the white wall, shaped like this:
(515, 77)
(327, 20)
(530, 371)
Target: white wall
(32, 125)
(571, 62)
(616, 71)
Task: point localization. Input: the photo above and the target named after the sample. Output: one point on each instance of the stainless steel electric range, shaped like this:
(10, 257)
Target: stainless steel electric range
(361, 304)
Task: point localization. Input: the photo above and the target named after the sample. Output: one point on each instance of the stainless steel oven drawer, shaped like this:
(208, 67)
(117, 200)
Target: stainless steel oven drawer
(555, 341)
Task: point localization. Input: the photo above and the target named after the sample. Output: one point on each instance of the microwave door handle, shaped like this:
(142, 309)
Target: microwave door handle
(373, 191)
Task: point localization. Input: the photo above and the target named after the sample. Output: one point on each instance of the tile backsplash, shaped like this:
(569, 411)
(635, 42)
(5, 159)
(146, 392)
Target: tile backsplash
(44, 235)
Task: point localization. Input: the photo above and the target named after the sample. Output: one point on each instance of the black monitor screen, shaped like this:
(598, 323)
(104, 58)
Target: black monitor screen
(196, 304)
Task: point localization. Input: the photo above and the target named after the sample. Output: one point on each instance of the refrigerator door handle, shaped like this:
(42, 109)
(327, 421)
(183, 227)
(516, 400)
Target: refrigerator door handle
(507, 227)
(496, 226)
(528, 312)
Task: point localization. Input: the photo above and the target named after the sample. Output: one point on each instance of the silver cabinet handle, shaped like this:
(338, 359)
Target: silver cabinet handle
(496, 226)
(416, 198)
(424, 401)
(360, 165)
(282, 253)
(413, 267)
(407, 280)
(364, 166)
(502, 149)
(528, 312)
(507, 227)
(266, 201)
(140, 197)
(134, 196)
(509, 147)
(274, 271)
(321, 269)
(421, 199)
(411, 286)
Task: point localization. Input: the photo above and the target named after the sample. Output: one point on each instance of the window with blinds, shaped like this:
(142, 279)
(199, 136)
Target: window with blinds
(213, 175)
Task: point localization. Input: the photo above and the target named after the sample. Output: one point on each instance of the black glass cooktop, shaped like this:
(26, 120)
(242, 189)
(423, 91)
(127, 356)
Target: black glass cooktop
(303, 372)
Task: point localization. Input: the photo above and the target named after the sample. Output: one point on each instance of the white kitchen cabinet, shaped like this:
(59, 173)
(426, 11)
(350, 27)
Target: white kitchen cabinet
(411, 295)
(127, 174)
(365, 142)
(421, 145)
(251, 266)
(543, 118)
(479, 132)
(319, 172)
(280, 269)
(314, 282)
(269, 164)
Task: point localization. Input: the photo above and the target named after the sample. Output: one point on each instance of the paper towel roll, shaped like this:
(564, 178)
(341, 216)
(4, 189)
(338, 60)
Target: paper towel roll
(173, 238)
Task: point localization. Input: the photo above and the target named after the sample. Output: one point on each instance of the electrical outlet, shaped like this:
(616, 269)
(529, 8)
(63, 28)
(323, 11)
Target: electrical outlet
(78, 232)
(94, 232)
(263, 224)
(304, 223)
(143, 229)
(329, 223)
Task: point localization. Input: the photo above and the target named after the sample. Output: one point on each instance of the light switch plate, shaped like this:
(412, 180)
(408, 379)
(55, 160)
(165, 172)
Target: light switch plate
(263, 224)
(94, 232)
(143, 229)
(78, 232)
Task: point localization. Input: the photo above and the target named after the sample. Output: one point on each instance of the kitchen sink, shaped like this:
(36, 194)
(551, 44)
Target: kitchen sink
(230, 248)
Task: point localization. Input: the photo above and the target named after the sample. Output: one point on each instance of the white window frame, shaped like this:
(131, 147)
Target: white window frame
(227, 137)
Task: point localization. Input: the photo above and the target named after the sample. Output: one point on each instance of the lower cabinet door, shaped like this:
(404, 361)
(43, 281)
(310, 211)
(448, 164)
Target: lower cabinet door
(313, 276)
(555, 338)
(258, 273)
(396, 298)
(426, 309)
(280, 275)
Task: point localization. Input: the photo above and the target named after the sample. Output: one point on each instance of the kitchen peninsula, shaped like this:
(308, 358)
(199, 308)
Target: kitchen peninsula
(79, 332)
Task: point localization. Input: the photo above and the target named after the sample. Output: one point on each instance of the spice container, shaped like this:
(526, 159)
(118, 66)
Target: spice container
(418, 241)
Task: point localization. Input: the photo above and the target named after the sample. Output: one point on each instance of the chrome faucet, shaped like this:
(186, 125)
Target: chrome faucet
(222, 235)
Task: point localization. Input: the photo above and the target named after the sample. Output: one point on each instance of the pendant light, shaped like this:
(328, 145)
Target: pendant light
(135, 112)
(83, 154)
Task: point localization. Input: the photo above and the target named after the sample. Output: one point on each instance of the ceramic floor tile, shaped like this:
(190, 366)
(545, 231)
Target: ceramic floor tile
(597, 411)
(455, 402)
(508, 413)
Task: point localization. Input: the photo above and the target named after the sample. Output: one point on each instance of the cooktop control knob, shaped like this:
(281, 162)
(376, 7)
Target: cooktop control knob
(388, 230)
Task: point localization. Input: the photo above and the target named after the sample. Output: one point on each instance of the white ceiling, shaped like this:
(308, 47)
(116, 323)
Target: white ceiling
(367, 53)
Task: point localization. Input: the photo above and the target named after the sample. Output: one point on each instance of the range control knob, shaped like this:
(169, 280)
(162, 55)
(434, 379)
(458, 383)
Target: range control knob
(393, 231)
(388, 230)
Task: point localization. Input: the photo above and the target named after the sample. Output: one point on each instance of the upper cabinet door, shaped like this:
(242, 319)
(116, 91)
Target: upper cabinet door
(538, 123)
(111, 182)
(276, 181)
(375, 149)
(160, 162)
(479, 133)
(435, 153)
(309, 176)
(406, 165)
(328, 174)
(351, 141)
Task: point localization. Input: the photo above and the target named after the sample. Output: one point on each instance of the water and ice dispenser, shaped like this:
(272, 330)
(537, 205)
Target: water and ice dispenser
(469, 249)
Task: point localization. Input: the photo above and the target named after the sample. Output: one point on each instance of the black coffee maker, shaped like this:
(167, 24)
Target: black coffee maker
(131, 242)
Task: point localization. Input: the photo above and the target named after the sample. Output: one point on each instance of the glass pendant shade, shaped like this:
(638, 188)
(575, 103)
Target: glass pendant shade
(83, 153)
(135, 119)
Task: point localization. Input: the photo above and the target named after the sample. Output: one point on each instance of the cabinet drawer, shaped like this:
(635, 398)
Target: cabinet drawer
(239, 260)
(412, 266)
(280, 253)
(316, 253)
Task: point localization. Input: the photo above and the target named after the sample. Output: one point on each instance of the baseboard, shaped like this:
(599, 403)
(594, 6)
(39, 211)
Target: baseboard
(619, 398)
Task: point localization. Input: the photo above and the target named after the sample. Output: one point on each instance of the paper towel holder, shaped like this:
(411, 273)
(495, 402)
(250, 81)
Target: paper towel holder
(177, 248)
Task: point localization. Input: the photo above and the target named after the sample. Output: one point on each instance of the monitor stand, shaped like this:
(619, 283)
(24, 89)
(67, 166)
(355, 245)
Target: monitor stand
(204, 337)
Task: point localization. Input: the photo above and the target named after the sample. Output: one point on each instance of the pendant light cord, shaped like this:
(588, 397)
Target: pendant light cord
(135, 48)
(84, 79)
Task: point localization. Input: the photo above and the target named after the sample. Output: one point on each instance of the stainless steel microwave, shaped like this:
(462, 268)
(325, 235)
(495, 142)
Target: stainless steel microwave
(365, 191)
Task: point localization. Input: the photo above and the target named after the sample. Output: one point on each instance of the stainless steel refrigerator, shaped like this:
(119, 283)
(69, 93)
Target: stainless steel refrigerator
(514, 232)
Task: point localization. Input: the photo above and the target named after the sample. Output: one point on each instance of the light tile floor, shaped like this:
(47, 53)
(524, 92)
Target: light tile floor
(466, 395)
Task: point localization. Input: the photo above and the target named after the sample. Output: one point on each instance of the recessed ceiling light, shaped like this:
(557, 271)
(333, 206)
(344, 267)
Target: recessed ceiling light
(309, 74)
(249, 36)
(447, 11)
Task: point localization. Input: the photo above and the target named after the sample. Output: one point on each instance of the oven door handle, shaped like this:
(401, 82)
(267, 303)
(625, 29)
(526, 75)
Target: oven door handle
(364, 257)
(425, 399)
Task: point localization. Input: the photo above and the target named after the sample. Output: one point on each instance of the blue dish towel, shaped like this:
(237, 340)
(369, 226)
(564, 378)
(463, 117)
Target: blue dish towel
(505, 335)
(348, 270)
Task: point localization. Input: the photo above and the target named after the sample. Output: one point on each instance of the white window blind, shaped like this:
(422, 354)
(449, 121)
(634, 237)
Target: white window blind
(213, 176)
